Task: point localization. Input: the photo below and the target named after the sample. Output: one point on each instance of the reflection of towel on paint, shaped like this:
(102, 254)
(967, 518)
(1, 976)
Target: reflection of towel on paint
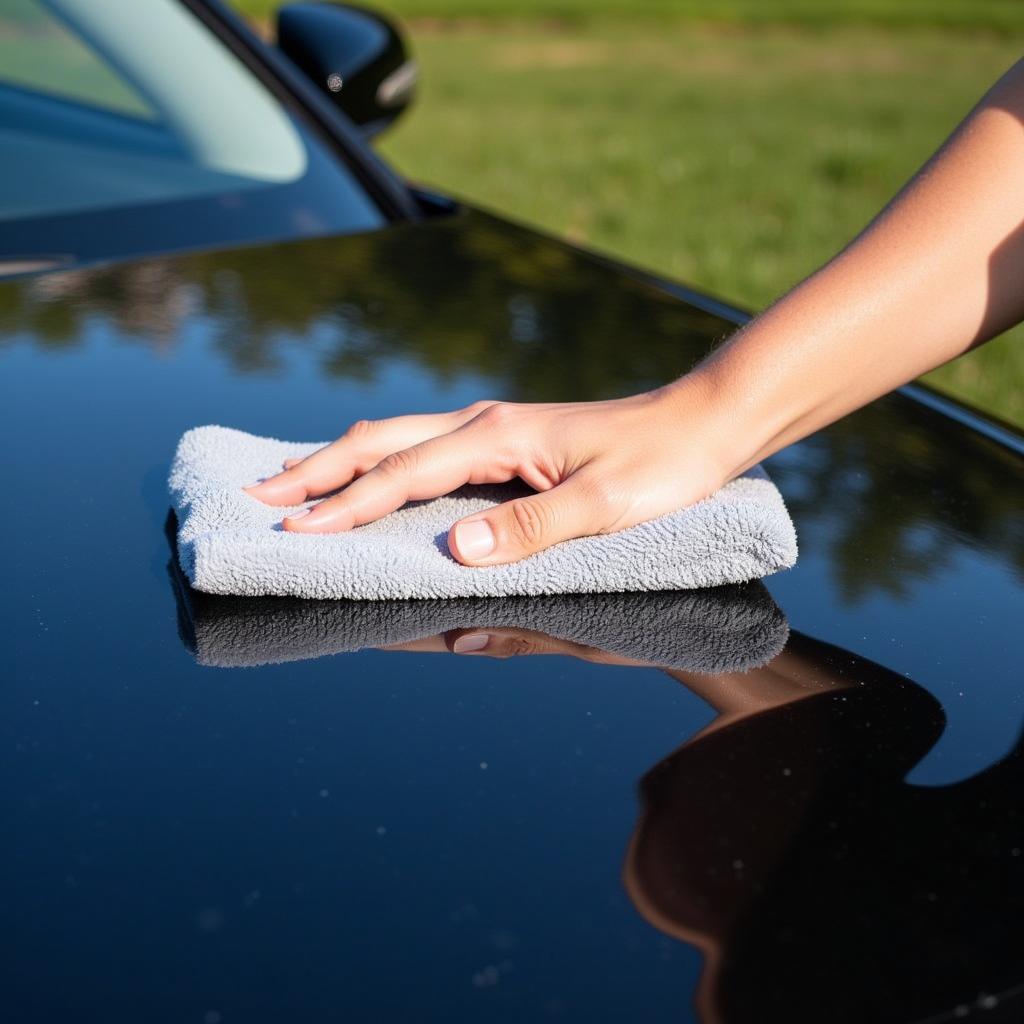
(726, 629)
(231, 543)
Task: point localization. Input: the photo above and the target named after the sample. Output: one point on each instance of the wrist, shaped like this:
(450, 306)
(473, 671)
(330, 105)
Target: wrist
(720, 413)
(692, 420)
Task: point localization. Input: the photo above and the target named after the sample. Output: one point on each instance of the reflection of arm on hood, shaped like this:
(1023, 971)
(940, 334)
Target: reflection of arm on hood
(819, 885)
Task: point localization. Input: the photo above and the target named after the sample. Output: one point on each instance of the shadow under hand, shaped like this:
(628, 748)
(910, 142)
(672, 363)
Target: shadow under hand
(818, 884)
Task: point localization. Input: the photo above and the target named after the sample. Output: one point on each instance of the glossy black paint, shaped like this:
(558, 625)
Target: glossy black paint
(411, 835)
(356, 56)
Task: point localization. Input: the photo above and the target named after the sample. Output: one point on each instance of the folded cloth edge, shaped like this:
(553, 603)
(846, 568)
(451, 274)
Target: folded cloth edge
(725, 629)
(229, 543)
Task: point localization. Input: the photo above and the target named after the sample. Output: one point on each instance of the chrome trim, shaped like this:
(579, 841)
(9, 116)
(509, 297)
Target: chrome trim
(398, 86)
(11, 266)
(1002, 433)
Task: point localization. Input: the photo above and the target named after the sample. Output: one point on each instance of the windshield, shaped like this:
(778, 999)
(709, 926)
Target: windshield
(126, 126)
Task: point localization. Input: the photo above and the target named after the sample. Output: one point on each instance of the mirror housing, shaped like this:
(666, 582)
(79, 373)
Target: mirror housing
(354, 55)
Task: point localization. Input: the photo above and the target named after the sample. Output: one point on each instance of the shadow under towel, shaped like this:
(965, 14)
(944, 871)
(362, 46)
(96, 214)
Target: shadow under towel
(231, 543)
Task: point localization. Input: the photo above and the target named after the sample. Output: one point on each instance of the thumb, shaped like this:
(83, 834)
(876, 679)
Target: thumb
(524, 526)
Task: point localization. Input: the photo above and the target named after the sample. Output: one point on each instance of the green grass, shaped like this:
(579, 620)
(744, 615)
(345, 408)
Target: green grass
(736, 160)
(1004, 16)
(732, 144)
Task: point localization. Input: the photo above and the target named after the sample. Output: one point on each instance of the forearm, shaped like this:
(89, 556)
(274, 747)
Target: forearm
(940, 270)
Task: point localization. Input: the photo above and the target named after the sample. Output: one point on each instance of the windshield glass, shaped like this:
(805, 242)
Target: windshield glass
(126, 126)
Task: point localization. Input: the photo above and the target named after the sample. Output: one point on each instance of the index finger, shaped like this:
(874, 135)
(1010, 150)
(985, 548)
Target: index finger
(360, 448)
(426, 470)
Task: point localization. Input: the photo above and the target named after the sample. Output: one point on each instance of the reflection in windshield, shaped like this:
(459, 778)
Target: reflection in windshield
(781, 840)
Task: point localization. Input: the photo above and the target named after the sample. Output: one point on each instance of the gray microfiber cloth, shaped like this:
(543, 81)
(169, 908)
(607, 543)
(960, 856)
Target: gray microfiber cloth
(727, 629)
(231, 543)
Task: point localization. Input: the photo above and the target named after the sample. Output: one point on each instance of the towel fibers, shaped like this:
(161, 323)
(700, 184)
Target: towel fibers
(231, 543)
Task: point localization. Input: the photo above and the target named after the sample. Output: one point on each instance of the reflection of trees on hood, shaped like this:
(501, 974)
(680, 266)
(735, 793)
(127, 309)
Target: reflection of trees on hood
(474, 295)
(839, 488)
(465, 295)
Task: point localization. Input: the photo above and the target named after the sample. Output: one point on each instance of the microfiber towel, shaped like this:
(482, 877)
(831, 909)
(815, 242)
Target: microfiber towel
(231, 543)
(726, 629)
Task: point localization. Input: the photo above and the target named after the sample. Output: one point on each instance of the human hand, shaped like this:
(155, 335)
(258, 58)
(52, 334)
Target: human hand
(597, 467)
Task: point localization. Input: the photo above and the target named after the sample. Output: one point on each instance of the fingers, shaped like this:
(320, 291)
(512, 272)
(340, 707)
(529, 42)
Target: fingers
(505, 643)
(511, 642)
(425, 645)
(319, 473)
(482, 449)
(426, 470)
(362, 446)
(524, 526)
(506, 533)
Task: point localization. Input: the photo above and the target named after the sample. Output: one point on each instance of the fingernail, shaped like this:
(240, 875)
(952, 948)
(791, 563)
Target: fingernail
(475, 539)
(471, 642)
(249, 487)
(298, 515)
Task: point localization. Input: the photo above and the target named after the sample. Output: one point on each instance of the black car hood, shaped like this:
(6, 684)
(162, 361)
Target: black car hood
(413, 835)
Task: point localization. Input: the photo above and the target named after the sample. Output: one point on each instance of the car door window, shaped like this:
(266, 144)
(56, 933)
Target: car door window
(127, 125)
(39, 53)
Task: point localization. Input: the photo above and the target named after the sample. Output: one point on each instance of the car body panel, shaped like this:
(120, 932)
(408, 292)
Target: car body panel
(419, 836)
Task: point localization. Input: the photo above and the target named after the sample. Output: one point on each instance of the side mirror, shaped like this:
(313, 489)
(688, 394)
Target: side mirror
(356, 56)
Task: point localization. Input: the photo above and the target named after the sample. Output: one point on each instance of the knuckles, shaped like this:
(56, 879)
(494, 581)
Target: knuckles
(528, 523)
(497, 416)
(602, 499)
(400, 463)
(476, 408)
(359, 430)
(515, 646)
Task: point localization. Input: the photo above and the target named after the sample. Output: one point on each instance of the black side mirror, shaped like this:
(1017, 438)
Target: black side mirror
(356, 56)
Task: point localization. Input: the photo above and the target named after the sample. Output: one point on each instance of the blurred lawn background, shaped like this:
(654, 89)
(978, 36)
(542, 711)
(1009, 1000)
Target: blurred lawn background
(732, 145)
